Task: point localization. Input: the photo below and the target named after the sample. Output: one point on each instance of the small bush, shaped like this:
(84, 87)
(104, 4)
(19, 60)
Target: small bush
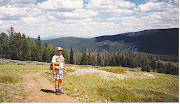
(8, 79)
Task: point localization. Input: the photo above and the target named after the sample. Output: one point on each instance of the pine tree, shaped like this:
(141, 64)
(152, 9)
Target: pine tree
(50, 53)
(37, 49)
(45, 54)
(66, 56)
(71, 56)
(90, 60)
(99, 60)
(26, 49)
(38, 42)
(16, 46)
(78, 58)
(84, 59)
(153, 64)
(4, 45)
(53, 52)
(106, 62)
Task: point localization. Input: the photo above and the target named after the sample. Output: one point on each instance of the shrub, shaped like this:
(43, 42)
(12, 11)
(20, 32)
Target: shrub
(8, 79)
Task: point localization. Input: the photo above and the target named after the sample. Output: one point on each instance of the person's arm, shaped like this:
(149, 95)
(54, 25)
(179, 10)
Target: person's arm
(53, 65)
(64, 68)
(53, 69)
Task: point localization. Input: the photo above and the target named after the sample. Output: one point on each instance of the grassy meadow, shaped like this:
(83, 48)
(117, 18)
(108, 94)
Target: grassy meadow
(90, 87)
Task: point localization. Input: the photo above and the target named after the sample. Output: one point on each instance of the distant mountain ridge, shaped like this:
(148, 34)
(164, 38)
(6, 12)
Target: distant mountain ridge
(156, 41)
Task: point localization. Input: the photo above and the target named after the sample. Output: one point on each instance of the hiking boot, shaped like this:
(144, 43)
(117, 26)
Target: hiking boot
(61, 91)
(57, 92)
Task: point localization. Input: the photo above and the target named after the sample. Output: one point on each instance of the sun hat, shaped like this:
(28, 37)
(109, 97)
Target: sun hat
(59, 48)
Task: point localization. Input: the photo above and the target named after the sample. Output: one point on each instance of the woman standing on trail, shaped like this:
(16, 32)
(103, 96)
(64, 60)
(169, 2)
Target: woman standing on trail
(58, 66)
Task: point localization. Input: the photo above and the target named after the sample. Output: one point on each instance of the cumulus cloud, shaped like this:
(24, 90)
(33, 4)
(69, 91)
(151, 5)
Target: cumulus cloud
(154, 7)
(117, 7)
(176, 1)
(167, 11)
(61, 4)
(60, 18)
(16, 2)
(151, 16)
(78, 13)
(11, 12)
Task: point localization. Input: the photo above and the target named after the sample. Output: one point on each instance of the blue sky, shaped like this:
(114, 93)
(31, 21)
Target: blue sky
(86, 18)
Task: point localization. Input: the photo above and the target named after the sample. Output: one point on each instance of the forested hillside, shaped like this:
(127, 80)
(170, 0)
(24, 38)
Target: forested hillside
(19, 47)
(157, 41)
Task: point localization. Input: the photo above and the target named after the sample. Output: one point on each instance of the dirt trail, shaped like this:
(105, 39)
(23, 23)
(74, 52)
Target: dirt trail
(41, 90)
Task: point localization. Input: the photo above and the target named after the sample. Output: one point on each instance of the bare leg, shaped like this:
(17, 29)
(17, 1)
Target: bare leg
(56, 83)
(59, 84)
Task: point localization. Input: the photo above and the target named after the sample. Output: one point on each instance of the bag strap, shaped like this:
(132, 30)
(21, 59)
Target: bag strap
(57, 57)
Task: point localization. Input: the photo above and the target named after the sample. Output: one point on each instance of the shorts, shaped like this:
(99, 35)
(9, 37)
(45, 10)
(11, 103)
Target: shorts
(59, 74)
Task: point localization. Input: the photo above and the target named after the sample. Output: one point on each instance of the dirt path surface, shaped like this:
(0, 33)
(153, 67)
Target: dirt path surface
(41, 90)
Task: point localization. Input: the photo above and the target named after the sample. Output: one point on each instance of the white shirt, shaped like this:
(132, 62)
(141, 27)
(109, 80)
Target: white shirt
(61, 58)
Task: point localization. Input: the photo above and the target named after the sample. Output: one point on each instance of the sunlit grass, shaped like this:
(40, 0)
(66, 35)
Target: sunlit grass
(91, 88)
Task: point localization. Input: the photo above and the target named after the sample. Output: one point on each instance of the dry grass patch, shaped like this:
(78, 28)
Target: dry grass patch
(9, 79)
(118, 71)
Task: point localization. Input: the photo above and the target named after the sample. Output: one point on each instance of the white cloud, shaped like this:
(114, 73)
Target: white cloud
(117, 7)
(167, 11)
(176, 1)
(9, 11)
(65, 18)
(153, 21)
(154, 7)
(16, 2)
(61, 4)
(124, 4)
(78, 13)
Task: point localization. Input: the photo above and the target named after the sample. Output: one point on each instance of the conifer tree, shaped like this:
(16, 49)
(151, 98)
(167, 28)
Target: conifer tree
(16, 46)
(36, 54)
(50, 53)
(78, 58)
(106, 62)
(4, 45)
(66, 56)
(71, 56)
(45, 54)
(153, 64)
(90, 60)
(26, 49)
(84, 59)
(99, 60)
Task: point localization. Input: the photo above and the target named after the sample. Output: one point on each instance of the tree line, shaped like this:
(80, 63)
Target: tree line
(148, 62)
(18, 46)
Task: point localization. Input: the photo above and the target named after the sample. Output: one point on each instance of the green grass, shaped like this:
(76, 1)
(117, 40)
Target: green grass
(90, 88)
(11, 88)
